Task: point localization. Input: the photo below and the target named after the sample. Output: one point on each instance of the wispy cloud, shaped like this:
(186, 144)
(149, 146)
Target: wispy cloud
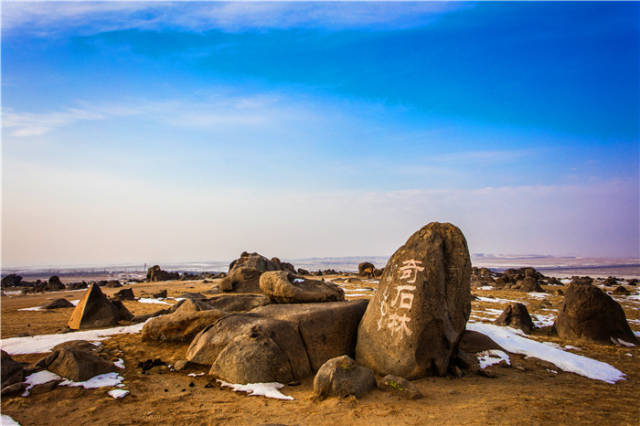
(46, 18)
(212, 111)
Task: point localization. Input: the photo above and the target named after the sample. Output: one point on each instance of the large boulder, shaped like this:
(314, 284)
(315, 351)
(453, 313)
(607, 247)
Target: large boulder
(96, 310)
(366, 269)
(283, 266)
(155, 273)
(54, 283)
(516, 315)
(242, 279)
(254, 261)
(285, 287)
(179, 326)
(413, 324)
(341, 377)
(57, 304)
(238, 302)
(248, 348)
(327, 329)
(591, 314)
(76, 365)
(528, 284)
(12, 371)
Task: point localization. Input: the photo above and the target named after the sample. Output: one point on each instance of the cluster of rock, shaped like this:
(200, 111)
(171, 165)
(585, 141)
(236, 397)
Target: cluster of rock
(523, 279)
(76, 360)
(155, 273)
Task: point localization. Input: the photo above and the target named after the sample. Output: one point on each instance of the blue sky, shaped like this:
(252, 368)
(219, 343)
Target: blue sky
(305, 129)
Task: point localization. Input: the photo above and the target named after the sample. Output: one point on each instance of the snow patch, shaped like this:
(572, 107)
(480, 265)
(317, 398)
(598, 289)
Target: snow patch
(118, 393)
(485, 287)
(491, 357)
(99, 381)
(74, 302)
(270, 390)
(119, 363)
(39, 378)
(298, 280)
(35, 308)
(543, 320)
(195, 374)
(44, 342)
(495, 300)
(151, 300)
(537, 295)
(8, 421)
(512, 341)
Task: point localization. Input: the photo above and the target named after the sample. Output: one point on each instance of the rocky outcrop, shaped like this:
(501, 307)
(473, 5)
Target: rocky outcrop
(155, 273)
(96, 310)
(523, 279)
(621, 291)
(254, 261)
(481, 277)
(591, 314)
(327, 329)
(341, 377)
(515, 315)
(179, 326)
(248, 348)
(413, 324)
(192, 305)
(285, 287)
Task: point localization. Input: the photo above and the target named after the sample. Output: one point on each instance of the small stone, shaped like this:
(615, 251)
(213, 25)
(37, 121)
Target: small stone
(399, 386)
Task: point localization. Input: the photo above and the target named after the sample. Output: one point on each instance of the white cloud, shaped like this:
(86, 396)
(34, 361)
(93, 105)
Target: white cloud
(47, 18)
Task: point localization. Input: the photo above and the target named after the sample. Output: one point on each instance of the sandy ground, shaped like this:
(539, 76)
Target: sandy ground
(525, 393)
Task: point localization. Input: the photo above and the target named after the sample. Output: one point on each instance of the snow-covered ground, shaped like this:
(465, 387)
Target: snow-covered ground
(513, 341)
(153, 301)
(44, 342)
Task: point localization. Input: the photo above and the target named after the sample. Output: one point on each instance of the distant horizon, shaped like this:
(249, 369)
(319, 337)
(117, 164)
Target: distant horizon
(142, 130)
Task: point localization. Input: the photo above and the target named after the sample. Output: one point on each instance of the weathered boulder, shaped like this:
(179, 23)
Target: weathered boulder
(328, 330)
(11, 280)
(124, 294)
(399, 386)
(12, 371)
(238, 302)
(413, 324)
(75, 345)
(366, 269)
(341, 377)
(516, 315)
(248, 348)
(527, 284)
(155, 273)
(253, 261)
(591, 314)
(57, 304)
(179, 326)
(54, 283)
(241, 279)
(285, 287)
(96, 310)
(283, 266)
(76, 365)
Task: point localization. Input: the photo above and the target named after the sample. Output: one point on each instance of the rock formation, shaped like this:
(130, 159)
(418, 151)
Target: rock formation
(285, 287)
(413, 324)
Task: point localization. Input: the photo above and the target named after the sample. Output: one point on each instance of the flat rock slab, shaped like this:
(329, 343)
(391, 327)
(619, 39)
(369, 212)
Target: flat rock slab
(238, 302)
(179, 326)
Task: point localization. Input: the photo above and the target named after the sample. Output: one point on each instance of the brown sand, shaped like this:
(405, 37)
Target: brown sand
(525, 393)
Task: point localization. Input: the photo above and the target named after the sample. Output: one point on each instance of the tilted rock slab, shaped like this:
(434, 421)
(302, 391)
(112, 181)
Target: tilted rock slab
(96, 310)
(413, 324)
